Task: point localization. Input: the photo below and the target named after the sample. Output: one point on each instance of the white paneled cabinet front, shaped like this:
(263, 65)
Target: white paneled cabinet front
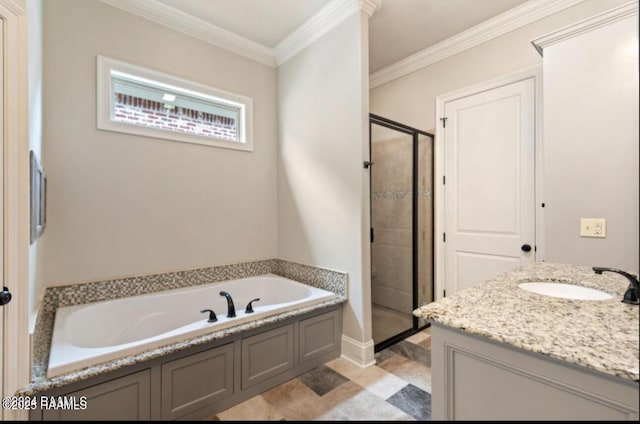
(475, 378)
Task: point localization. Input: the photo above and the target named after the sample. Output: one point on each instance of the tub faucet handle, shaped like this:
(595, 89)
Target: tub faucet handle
(212, 315)
(249, 309)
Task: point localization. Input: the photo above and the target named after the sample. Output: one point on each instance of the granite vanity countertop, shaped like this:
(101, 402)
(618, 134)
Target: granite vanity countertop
(40, 382)
(601, 335)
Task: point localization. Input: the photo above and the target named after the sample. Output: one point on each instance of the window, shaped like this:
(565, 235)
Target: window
(143, 102)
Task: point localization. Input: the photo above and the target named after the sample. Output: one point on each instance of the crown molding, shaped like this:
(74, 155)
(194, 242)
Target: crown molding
(370, 6)
(17, 7)
(315, 27)
(170, 17)
(602, 19)
(508, 21)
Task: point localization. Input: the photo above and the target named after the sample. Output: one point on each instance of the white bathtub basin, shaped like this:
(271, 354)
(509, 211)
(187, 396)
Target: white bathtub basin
(89, 334)
(565, 291)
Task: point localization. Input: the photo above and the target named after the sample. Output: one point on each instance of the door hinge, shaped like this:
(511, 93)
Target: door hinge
(371, 234)
(444, 293)
(444, 180)
(444, 236)
(444, 122)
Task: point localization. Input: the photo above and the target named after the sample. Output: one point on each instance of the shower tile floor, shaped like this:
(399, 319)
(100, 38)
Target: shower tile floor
(398, 387)
(388, 322)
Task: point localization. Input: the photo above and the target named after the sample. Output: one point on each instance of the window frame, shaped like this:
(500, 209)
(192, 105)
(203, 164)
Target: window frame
(106, 106)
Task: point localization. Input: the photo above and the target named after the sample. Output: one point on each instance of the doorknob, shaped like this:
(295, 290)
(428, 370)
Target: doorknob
(5, 296)
(526, 248)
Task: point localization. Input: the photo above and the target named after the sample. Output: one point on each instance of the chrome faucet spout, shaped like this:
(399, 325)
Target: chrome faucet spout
(632, 294)
(231, 309)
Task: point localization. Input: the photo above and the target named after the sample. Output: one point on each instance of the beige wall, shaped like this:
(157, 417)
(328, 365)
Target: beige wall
(411, 100)
(34, 63)
(124, 205)
(321, 181)
(591, 123)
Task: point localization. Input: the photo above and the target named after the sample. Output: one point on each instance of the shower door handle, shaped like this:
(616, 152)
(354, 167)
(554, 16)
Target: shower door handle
(371, 234)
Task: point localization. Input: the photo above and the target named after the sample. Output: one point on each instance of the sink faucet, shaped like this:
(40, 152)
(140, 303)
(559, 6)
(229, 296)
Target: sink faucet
(632, 293)
(231, 309)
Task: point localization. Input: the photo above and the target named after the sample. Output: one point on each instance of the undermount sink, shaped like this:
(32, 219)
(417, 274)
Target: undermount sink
(566, 291)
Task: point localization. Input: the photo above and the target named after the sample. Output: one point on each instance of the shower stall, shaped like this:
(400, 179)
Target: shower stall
(401, 178)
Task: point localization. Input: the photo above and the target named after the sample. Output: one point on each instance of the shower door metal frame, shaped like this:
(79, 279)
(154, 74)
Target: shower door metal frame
(414, 132)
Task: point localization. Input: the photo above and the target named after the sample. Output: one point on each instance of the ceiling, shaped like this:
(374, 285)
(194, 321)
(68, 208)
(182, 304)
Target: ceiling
(403, 27)
(398, 29)
(265, 22)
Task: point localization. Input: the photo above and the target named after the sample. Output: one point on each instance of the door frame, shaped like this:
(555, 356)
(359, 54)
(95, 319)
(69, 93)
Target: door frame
(16, 351)
(534, 72)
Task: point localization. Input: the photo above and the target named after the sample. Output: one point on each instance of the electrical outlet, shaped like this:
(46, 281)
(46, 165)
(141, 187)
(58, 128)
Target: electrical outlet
(593, 227)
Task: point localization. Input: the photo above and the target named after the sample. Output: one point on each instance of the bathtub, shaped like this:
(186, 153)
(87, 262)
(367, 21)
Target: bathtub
(89, 334)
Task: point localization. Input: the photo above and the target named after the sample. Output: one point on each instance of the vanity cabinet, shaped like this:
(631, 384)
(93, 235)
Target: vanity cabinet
(524, 385)
(203, 380)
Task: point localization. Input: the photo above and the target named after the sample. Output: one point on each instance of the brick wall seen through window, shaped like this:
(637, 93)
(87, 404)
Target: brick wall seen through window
(138, 111)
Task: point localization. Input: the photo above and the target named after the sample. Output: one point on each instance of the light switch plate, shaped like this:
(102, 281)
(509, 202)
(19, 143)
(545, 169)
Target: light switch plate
(593, 227)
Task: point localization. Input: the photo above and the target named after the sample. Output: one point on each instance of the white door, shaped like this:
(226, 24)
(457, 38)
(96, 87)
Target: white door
(489, 146)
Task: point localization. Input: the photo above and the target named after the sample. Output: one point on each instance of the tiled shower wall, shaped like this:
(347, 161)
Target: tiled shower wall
(391, 203)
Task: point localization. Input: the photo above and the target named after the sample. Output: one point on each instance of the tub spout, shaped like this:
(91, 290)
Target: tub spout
(231, 309)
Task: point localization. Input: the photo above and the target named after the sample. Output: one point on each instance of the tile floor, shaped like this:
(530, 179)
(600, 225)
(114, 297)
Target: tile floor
(398, 387)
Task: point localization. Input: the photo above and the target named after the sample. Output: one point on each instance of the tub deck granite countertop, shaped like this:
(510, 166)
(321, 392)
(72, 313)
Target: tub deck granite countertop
(601, 335)
(40, 382)
(55, 297)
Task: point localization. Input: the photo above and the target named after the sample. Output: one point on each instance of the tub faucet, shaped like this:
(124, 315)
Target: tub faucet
(231, 309)
(633, 291)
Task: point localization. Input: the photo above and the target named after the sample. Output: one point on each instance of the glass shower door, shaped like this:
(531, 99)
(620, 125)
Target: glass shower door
(392, 221)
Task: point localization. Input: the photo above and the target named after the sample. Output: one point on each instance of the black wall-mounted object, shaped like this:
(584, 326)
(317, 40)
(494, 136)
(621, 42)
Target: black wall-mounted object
(5, 296)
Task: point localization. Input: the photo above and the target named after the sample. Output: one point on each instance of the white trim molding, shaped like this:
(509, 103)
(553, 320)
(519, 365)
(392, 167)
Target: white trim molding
(321, 23)
(16, 355)
(170, 17)
(605, 18)
(361, 354)
(16, 7)
(315, 27)
(370, 7)
(508, 21)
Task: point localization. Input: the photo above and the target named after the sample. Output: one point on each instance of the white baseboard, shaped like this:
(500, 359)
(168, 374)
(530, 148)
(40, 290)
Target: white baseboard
(357, 352)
